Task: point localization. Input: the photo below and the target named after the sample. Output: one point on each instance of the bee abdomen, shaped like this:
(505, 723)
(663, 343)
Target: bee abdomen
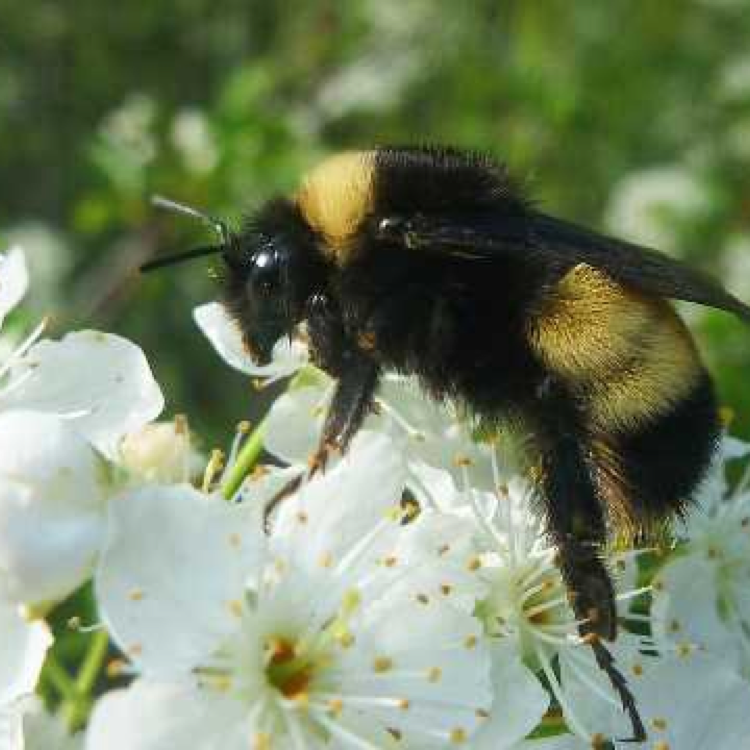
(649, 473)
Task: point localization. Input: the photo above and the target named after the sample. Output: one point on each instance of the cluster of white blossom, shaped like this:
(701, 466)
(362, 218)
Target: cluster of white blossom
(353, 621)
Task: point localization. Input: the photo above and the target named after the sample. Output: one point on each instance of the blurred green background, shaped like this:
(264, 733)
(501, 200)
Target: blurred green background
(629, 116)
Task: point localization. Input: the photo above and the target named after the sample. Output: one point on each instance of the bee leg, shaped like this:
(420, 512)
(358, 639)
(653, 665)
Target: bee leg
(352, 401)
(575, 522)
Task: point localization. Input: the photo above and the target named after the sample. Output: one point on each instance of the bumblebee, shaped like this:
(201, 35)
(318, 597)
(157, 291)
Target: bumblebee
(431, 262)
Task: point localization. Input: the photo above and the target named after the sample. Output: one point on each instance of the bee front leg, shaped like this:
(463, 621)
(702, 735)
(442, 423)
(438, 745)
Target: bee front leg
(351, 403)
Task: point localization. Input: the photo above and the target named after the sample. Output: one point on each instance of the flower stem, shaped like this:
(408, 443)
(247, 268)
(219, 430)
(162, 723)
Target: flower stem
(246, 460)
(76, 708)
(59, 678)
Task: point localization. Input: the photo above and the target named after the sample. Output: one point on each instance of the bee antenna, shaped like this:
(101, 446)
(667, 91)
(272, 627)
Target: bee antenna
(170, 260)
(217, 225)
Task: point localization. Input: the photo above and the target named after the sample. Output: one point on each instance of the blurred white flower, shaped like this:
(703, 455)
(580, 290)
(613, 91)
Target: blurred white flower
(128, 130)
(735, 261)
(650, 206)
(226, 338)
(49, 260)
(52, 505)
(14, 280)
(335, 644)
(192, 137)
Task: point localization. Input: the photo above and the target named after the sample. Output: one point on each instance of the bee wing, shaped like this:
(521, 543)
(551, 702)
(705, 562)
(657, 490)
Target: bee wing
(559, 241)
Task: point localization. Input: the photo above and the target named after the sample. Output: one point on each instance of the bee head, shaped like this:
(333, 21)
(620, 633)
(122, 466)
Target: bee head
(272, 270)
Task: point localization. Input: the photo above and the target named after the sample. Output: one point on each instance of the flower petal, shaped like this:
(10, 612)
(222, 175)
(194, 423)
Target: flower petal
(22, 650)
(14, 280)
(519, 705)
(171, 578)
(51, 506)
(101, 382)
(222, 331)
(156, 716)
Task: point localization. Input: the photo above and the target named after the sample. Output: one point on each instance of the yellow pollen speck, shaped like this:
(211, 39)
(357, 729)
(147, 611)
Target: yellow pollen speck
(221, 683)
(458, 736)
(390, 561)
(382, 664)
(661, 745)
(637, 669)
(674, 626)
(659, 724)
(395, 513)
(404, 704)
(598, 741)
(302, 517)
(423, 598)
(235, 607)
(335, 706)
(116, 668)
(474, 564)
(244, 427)
(261, 741)
(470, 641)
(136, 649)
(684, 650)
(235, 540)
(136, 595)
(712, 553)
(302, 700)
(74, 623)
(434, 674)
(346, 639)
(446, 589)
(325, 560)
(463, 461)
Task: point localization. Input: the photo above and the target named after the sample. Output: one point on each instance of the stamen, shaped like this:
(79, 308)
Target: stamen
(215, 465)
(570, 716)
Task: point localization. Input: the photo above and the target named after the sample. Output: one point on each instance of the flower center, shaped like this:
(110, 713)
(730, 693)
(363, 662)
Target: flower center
(287, 671)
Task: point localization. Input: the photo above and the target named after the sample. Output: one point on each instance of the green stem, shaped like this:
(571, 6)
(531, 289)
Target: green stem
(58, 677)
(244, 464)
(76, 707)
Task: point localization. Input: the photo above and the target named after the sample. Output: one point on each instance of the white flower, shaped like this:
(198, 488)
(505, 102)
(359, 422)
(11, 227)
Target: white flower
(226, 338)
(14, 280)
(100, 382)
(51, 506)
(339, 641)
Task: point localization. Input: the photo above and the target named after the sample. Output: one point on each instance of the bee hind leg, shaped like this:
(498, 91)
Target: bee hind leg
(577, 527)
